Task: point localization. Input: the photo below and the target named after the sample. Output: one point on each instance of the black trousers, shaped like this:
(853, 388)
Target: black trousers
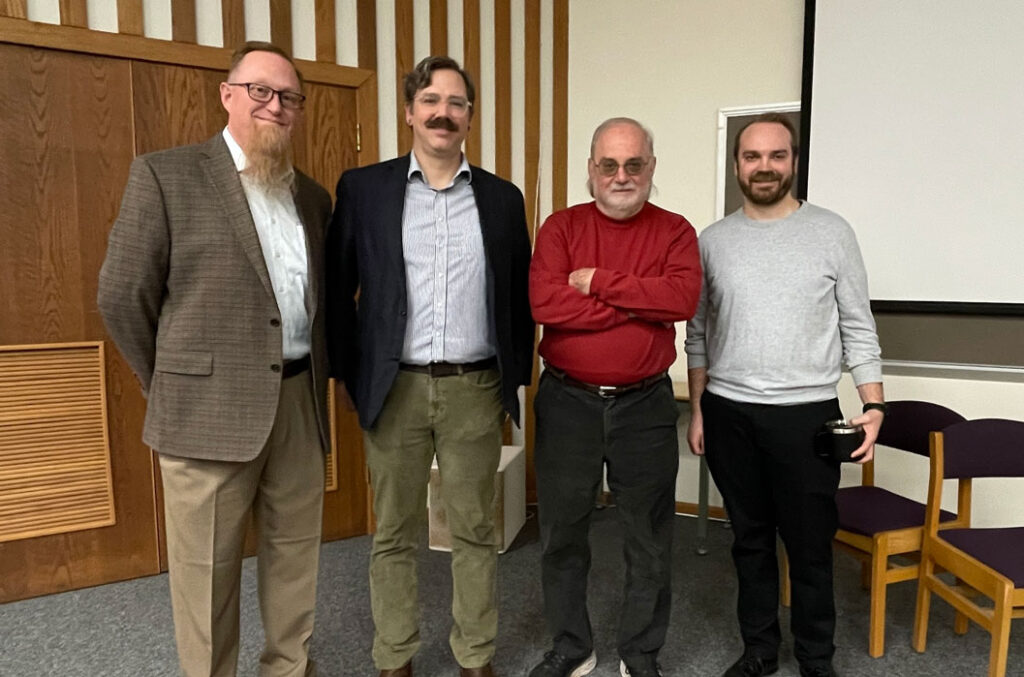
(635, 435)
(763, 461)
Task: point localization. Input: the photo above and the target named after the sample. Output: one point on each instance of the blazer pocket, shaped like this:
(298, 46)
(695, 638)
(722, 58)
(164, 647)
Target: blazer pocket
(190, 362)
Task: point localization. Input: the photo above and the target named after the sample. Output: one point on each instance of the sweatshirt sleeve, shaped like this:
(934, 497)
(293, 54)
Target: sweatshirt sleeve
(696, 330)
(861, 351)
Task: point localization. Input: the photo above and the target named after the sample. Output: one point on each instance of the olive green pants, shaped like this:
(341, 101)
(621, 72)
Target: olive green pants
(458, 418)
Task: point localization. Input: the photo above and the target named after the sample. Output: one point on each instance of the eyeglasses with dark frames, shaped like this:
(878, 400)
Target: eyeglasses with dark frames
(609, 167)
(263, 94)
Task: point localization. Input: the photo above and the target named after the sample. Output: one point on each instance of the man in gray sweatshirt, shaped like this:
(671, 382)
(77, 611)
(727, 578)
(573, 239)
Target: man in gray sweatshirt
(784, 304)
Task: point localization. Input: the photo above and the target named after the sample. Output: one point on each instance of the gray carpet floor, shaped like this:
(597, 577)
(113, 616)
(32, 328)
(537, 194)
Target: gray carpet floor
(126, 628)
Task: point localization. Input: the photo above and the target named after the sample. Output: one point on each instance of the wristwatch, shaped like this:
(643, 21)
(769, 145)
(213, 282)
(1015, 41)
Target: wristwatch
(879, 406)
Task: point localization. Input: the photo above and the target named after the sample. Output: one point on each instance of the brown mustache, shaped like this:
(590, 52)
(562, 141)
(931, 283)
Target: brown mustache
(442, 122)
(765, 176)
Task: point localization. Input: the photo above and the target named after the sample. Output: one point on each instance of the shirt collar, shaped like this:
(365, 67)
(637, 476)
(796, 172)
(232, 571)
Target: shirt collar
(416, 171)
(237, 154)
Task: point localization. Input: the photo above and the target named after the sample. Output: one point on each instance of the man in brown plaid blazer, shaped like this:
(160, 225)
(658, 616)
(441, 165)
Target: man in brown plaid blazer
(212, 291)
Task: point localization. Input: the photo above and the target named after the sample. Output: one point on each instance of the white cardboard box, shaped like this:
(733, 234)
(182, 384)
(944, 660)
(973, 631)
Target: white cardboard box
(509, 499)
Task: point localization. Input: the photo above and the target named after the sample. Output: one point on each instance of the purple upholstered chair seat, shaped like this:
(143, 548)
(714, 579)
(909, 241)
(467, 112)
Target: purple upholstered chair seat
(869, 510)
(1001, 549)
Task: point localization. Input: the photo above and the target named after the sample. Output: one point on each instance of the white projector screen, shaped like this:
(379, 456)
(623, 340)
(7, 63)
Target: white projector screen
(917, 138)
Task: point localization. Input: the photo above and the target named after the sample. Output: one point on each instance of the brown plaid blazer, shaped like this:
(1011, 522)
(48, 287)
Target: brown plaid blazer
(185, 294)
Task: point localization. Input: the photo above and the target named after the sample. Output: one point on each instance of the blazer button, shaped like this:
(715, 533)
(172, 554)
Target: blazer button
(275, 368)
(274, 322)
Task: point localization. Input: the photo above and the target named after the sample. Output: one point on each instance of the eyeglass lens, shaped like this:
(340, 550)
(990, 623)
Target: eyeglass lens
(457, 106)
(263, 94)
(633, 166)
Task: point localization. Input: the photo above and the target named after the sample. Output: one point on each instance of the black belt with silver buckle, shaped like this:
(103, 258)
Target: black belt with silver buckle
(606, 391)
(441, 369)
(295, 367)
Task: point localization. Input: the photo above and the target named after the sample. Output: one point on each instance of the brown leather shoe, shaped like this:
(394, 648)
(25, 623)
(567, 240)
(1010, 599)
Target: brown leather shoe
(485, 671)
(404, 671)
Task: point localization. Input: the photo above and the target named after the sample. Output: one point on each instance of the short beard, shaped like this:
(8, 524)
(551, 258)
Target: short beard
(268, 158)
(767, 199)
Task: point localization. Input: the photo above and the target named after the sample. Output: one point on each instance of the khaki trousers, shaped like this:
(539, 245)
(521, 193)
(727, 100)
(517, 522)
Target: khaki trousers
(458, 418)
(207, 506)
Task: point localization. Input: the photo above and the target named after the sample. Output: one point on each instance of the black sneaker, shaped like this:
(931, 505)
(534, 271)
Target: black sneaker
(818, 671)
(752, 666)
(653, 670)
(557, 665)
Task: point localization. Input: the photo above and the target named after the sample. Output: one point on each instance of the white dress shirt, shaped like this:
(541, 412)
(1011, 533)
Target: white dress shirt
(283, 241)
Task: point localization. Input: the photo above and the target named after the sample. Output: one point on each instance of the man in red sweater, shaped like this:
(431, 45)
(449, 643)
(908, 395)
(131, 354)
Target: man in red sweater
(608, 280)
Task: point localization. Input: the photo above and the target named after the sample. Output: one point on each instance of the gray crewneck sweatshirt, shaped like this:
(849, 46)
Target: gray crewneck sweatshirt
(784, 304)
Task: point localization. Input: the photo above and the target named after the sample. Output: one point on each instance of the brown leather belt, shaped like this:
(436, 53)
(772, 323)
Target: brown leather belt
(606, 391)
(442, 369)
(295, 367)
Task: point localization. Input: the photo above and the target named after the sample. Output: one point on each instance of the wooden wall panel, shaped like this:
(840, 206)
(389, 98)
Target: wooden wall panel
(73, 13)
(183, 20)
(63, 164)
(326, 37)
(439, 27)
(560, 105)
(471, 63)
(531, 134)
(325, 139)
(129, 17)
(503, 89)
(366, 26)
(233, 19)
(17, 9)
(281, 24)
(175, 105)
(404, 62)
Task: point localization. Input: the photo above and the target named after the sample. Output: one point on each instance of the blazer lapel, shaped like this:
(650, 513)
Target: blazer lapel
(223, 175)
(392, 206)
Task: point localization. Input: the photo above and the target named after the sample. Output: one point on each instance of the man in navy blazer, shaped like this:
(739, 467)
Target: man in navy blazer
(431, 334)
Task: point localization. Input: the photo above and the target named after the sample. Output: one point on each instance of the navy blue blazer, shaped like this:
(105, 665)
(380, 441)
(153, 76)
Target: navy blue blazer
(366, 286)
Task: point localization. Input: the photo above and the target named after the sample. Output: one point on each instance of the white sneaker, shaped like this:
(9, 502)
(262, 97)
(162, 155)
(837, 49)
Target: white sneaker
(586, 667)
(624, 671)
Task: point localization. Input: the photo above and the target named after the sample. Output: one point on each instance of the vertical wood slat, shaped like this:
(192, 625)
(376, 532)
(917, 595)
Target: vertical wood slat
(404, 55)
(183, 21)
(16, 9)
(531, 131)
(326, 31)
(531, 134)
(471, 63)
(439, 27)
(73, 13)
(366, 28)
(281, 24)
(503, 88)
(233, 20)
(560, 106)
(129, 17)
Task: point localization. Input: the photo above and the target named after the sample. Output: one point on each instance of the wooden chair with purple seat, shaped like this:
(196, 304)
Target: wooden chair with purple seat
(877, 525)
(987, 563)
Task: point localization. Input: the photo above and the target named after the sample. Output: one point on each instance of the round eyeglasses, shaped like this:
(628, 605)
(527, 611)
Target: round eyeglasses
(263, 94)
